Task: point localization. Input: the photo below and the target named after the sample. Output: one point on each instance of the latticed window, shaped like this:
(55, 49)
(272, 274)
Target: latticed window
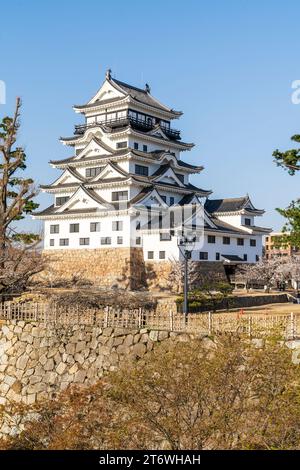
(59, 201)
(95, 227)
(105, 241)
(84, 241)
(74, 228)
(54, 228)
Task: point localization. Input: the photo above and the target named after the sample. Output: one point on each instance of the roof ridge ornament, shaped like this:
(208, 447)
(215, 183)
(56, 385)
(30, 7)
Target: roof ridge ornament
(108, 74)
(147, 88)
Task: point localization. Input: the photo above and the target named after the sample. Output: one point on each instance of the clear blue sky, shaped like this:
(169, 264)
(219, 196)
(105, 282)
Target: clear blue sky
(228, 65)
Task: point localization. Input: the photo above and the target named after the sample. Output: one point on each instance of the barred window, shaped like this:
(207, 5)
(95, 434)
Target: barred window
(74, 228)
(117, 225)
(106, 241)
(95, 227)
(54, 228)
(59, 201)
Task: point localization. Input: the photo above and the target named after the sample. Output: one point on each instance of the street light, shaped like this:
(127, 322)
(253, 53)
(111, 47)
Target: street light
(186, 245)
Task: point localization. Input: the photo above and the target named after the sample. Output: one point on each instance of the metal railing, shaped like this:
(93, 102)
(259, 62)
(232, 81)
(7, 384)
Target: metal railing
(125, 121)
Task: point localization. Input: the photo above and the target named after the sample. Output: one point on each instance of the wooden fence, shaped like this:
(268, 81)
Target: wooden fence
(254, 325)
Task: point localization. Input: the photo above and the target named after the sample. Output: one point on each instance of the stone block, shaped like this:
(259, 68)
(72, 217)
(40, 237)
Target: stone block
(139, 350)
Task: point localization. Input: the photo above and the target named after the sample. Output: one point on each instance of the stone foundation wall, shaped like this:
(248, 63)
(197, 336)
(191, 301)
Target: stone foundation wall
(107, 267)
(37, 361)
(158, 274)
(122, 267)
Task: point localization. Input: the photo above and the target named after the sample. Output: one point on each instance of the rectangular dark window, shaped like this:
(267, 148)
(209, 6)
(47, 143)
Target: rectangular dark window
(217, 256)
(226, 240)
(105, 241)
(63, 242)
(117, 225)
(122, 145)
(59, 201)
(256, 258)
(164, 198)
(119, 195)
(172, 200)
(141, 170)
(247, 221)
(150, 255)
(180, 177)
(119, 240)
(240, 241)
(138, 240)
(203, 255)
(95, 227)
(84, 241)
(51, 241)
(165, 237)
(54, 228)
(245, 257)
(162, 255)
(211, 239)
(135, 145)
(74, 228)
(90, 172)
(252, 242)
(145, 148)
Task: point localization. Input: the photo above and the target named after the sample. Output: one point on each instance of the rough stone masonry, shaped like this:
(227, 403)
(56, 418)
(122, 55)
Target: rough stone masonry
(37, 361)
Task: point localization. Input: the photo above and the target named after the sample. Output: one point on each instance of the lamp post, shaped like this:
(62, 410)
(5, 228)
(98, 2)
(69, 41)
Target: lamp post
(186, 245)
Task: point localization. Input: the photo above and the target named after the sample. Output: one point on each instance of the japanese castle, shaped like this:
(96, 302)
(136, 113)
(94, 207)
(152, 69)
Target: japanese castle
(124, 172)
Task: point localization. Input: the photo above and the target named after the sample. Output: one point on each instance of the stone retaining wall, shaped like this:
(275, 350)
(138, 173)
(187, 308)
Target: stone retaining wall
(38, 361)
(123, 267)
(107, 267)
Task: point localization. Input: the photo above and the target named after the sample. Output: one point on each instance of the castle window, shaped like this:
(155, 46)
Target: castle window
(90, 172)
(245, 257)
(120, 240)
(135, 145)
(63, 242)
(203, 255)
(211, 239)
(164, 198)
(59, 201)
(105, 241)
(240, 241)
(226, 240)
(172, 200)
(252, 242)
(51, 241)
(162, 255)
(217, 256)
(138, 240)
(119, 195)
(141, 170)
(95, 227)
(247, 221)
(150, 255)
(122, 145)
(165, 237)
(54, 228)
(257, 258)
(74, 228)
(117, 225)
(84, 241)
(145, 148)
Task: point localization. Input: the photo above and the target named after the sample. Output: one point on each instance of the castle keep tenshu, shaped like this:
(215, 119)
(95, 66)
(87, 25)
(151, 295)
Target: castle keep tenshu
(125, 173)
